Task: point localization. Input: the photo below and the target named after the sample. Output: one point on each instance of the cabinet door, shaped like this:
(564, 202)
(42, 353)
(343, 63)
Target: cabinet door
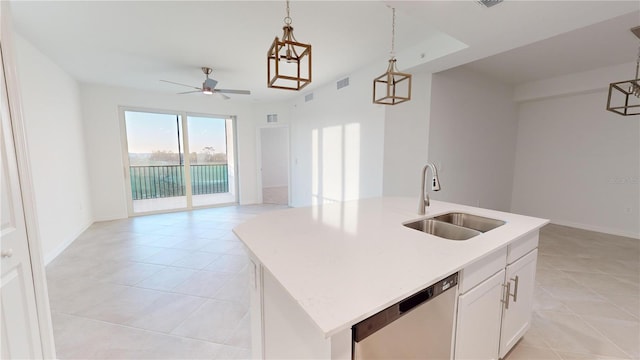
(516, 318)
(478, 323)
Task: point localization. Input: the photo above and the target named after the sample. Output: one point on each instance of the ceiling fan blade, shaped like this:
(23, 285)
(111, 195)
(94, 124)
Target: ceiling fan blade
(228, 91)
(223, 96)
(189, 92)
(171, 82)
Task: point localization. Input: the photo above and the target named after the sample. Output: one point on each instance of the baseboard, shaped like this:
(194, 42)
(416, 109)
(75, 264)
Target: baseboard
(51, 255)
(596, 228)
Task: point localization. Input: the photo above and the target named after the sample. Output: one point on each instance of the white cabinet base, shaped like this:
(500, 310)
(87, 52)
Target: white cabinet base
(516, 318)
(494, 314)
(280, 329)
(478, 323)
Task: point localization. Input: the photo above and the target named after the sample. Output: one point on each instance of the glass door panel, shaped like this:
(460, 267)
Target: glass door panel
(156, 161)
(210, 160)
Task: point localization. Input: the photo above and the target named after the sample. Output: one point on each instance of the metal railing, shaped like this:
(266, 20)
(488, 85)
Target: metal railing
(209, 179)
(161, 181)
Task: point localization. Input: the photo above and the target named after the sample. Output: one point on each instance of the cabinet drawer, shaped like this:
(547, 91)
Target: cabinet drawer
(482, 269)
(522, 246)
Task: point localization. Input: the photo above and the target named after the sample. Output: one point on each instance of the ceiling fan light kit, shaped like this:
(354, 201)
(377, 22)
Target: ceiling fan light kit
(393, 87)
(624, 96)
(288, 61)
(209, 84)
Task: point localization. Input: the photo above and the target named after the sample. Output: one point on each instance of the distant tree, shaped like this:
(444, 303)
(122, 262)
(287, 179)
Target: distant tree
(209, 150)
(208, 154)
(220, 158)
(164, 157)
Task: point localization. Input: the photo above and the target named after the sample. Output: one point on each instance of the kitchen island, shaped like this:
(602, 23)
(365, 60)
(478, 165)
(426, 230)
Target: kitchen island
(317, 271)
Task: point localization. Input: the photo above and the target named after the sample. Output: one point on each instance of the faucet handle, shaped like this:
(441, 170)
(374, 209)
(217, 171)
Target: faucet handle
(426, 200)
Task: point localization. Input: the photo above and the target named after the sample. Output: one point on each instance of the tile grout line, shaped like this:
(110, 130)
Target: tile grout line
(140, 329)
(602, 335)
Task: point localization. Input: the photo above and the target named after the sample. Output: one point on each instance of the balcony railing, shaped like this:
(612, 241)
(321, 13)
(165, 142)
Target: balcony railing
(161, 181)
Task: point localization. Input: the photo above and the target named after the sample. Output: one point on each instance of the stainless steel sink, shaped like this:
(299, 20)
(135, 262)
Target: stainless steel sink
(443, 229)
(455, 226)
(474, 222)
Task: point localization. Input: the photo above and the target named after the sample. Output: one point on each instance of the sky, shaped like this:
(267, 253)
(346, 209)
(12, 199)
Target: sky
(148, 132)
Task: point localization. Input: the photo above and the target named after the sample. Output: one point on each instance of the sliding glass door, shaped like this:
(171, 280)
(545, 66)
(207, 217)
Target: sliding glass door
(156, 144)
(209, 160)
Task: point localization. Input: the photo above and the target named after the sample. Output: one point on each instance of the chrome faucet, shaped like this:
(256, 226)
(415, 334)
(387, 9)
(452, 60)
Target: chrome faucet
(435, 186)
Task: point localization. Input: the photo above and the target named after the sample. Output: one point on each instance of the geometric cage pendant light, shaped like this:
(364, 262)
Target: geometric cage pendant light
(288, 61)
(392, 87)
(624, 96)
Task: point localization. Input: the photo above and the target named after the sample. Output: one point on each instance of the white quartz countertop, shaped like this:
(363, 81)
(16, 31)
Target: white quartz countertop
(344, 262)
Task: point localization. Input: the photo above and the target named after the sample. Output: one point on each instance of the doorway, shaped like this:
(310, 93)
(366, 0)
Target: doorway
(177, 161)
(274, 155)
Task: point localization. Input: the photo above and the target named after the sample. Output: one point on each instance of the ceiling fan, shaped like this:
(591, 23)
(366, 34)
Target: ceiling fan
(209, 86)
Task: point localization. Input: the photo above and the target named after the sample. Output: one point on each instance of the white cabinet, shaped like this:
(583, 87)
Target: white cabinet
(478, 322)
(516, 317)
(494, 311)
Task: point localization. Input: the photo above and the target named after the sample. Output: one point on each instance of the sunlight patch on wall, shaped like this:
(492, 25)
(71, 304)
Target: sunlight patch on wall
(335, 171)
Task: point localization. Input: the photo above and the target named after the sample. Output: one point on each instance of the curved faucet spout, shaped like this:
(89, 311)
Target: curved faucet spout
(435, 186)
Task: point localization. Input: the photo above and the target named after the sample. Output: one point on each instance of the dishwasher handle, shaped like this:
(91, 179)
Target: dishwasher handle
(415, 300)
(427, 294)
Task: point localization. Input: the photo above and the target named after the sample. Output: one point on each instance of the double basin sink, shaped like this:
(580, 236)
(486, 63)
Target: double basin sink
(455, 225)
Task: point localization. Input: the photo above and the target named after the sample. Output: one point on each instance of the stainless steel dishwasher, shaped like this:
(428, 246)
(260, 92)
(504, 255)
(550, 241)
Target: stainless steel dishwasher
(419, 327)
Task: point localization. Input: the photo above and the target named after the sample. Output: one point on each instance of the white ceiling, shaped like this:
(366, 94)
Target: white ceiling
(603, 44)
(137, 43)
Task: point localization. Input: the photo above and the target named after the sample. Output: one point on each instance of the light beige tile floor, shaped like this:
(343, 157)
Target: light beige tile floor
(159, 286)
(587, 297)
(175, 286)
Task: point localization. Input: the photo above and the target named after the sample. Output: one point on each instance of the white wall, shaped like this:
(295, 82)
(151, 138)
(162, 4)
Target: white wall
(54, 126)
(104, 147)
(337, 142)
(577, 163)
(406, 135)
(274, 143)
(472, 138)
(574, 83)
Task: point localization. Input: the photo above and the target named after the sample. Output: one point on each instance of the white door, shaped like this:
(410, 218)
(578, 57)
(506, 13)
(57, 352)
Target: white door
(18, 317)
(274, 156)
(516, 318)
(478, 325)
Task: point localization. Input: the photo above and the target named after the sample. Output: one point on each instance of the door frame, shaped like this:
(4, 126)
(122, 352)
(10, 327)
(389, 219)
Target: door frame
(26, 183)
(185, 146)
(259, 159)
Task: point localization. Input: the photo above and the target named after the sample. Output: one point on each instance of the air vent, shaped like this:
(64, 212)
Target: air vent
(342, 83)
(489, 3)
(308, 97)
(272, 118)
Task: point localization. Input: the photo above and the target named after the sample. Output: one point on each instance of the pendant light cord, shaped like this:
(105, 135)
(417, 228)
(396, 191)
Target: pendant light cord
(638, 63)
(634, 88)
(287, 19)
(393, 34)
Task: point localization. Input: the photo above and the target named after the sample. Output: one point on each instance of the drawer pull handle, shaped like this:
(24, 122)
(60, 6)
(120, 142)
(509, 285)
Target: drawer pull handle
(7, 253)
(507, 293)
(515, 288)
